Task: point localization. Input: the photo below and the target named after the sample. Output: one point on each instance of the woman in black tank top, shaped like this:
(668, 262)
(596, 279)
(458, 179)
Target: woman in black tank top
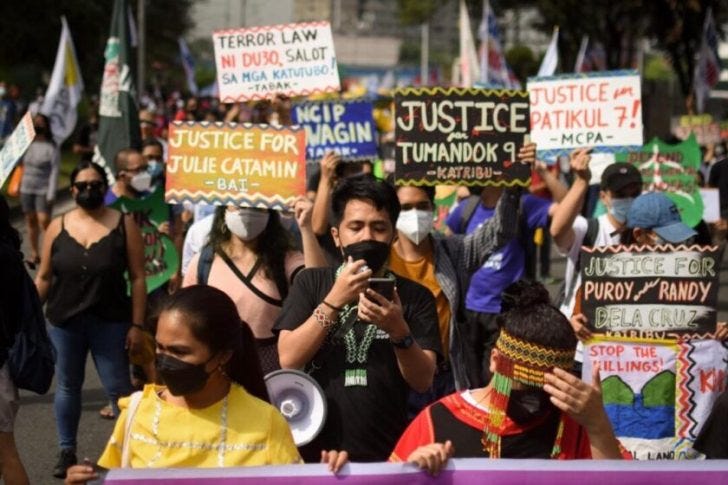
(86, 254)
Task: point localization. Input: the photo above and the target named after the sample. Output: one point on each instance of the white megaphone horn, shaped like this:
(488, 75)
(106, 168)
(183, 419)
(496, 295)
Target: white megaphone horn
(300, 400)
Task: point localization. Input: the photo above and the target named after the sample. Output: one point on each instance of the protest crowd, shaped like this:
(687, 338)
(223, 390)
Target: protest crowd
(395, 248)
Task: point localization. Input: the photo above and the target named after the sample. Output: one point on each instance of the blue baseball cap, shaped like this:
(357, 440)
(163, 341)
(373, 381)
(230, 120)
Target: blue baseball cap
(655, 211)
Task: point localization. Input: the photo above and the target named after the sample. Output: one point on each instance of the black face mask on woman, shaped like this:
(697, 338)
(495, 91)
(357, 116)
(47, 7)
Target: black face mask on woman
(527, 405)
(375, 253)
(180, 377)
(91, 198)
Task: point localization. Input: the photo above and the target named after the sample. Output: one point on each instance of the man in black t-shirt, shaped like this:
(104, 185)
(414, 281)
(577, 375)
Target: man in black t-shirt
(365, 350)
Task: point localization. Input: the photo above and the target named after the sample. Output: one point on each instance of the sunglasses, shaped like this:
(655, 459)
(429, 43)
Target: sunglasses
(94, 184)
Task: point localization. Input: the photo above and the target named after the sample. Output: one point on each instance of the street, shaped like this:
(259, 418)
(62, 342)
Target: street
(35, 426)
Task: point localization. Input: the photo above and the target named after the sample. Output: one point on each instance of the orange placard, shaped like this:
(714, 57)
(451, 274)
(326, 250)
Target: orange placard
(241, 164)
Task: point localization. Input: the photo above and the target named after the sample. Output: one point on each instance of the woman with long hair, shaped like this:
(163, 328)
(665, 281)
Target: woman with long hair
(38, 185)
(251, 256)
(86, 253)
(212, 409)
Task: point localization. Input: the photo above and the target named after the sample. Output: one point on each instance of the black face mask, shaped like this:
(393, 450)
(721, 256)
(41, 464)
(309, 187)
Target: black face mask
(375, 253)
(180, 377)
(526, 405)
(40, 130)
(91, 198)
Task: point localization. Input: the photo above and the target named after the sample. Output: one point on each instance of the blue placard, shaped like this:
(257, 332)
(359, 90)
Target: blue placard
(345, 127)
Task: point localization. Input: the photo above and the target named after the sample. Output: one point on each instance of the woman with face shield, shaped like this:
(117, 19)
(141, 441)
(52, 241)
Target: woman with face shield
(212, 410)
(252, 258)
(532, 408)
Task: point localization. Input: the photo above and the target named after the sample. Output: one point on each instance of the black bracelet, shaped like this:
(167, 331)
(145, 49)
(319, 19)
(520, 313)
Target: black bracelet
(335, 308)
(140, 327)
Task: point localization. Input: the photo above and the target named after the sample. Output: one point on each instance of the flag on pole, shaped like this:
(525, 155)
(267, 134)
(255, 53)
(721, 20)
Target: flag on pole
(494, 70)
(133, 34)
(65, 88)
(551, 58)
(118, 114)
(469, 69)
(188, 64)
(582, 54)
(707, 70)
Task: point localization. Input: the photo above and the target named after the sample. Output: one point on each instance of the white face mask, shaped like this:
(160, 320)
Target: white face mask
(415, 224)
(141, 182)
(246, 223)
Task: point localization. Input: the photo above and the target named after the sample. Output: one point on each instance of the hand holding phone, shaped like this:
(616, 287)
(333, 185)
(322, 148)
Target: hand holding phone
(383, 286)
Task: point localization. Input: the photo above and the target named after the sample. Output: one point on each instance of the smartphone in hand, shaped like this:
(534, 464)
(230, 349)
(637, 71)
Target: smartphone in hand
(383, 286)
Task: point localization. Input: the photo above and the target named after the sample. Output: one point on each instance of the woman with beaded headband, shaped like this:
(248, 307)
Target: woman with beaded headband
(532, 408)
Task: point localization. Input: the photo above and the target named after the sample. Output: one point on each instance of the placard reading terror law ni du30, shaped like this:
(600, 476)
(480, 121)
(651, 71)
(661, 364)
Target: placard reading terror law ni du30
(240, 164)
(290, 59)
(600, 109)
(460, 136)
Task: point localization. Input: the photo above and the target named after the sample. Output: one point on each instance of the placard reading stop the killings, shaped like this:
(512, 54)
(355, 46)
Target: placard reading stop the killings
(290, 59)
(601, 110)
(642, 291)
(240, 164)
(345, 127)
(456, 136)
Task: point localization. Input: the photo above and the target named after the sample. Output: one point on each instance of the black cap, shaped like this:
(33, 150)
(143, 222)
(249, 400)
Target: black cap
(619, 175)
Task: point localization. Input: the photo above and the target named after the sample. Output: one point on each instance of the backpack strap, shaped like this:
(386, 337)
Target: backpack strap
(204, 264)
(134, 400)
(471, 203)
(592, 229)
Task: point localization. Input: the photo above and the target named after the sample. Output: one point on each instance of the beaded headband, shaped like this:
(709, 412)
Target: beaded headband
(524, 362)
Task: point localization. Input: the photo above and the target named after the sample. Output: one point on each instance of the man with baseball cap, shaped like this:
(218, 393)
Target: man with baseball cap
(620, 184)
(655, 220)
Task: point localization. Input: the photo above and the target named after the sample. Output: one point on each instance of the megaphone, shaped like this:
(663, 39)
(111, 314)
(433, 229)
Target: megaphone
(300, 400)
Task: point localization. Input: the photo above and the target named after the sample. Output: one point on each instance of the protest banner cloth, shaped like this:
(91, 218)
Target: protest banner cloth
(597, 109)
(458, 472)
(161, 259)
(345, 127)
(118, 114)
(15, 146)
(705, 129)
(240, 164)
(291, 59)
(460, 136)
(672, 169)
(659, 292)
(657, 393)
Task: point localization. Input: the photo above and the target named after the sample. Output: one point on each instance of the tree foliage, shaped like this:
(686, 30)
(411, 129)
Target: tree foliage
(30, 29)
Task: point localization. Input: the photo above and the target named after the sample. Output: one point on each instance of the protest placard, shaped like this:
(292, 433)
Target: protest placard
(598, 109)
(290, 59)
(460, 136)
(15, 146)
(345, 127)
(705, 129)
(672, 169)
(161, 259)
(657, 393)
(462, 471)
(661, 291)
(711, 203)
(240, 164)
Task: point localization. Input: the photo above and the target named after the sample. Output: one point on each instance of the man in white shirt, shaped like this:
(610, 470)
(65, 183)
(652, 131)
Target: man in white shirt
(620, 184)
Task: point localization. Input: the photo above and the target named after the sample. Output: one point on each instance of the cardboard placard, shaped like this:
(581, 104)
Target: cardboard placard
(711, 201)
(705, 129)
(345, 127)
(241, 164)
(671, 169)
(599, 109)
(460, 136)
(657, 394)
(15, 146)
(161, 260)
(662, 291)
(290, 59)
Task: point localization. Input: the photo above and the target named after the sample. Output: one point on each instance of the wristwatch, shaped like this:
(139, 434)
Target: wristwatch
(404, 343)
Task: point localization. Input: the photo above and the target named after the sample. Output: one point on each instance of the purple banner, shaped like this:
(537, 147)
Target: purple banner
(459, 472)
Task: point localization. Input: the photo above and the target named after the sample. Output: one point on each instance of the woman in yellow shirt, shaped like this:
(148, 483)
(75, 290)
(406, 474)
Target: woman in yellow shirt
(213, 410)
